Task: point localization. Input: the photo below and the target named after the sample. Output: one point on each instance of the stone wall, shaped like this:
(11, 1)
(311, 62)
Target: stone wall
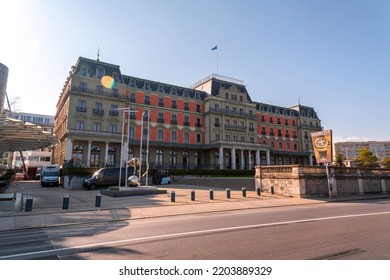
(307, 181)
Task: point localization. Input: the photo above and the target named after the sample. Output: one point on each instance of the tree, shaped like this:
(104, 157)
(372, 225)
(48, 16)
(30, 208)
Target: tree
(386, 162)
(339, 158)
(366, 158)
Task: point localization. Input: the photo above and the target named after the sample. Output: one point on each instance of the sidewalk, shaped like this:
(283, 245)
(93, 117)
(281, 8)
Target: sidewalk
(12, 216)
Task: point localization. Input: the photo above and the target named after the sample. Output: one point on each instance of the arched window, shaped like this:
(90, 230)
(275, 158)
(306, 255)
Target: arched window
(186, 160)
(172, 159)
(111, 156)
(77, 155)
(159, 158)
(95, 156)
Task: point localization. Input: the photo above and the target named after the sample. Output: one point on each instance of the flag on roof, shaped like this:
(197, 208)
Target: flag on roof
(214, 48)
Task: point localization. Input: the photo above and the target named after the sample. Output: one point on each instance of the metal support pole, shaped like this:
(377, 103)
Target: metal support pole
(211, 194)
(65, 202)
(98, 200)
(29, 204)
(192, 195)
(173, 196)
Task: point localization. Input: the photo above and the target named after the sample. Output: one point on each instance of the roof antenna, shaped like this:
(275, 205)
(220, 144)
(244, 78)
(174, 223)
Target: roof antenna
(299, 100)
(98, 54)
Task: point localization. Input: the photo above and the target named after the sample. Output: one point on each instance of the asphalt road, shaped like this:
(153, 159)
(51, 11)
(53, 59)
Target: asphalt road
(350, 230)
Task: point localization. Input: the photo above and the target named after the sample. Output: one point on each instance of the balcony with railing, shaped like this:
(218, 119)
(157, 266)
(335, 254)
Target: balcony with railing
(232, 112)
(113, 113)
(235, 127)
(98, 112)
(81, 109)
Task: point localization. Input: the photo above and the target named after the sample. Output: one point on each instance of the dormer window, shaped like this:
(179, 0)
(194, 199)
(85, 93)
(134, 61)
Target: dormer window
(99, 72)
(83, 71)
(115, 76)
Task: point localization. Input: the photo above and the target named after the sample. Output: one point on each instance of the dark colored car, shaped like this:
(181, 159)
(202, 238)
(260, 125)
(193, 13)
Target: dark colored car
(107, 177)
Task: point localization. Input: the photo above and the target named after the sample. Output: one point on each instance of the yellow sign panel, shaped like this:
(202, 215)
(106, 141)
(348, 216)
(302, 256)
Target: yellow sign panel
(322, 144)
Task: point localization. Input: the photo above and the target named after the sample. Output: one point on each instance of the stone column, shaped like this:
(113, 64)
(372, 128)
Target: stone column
(242, 159)
(68, 149)
(89, 154)
(257, 157)
(220, 158)
(249, 159)
(268, 157)
(311, 159)
(233, 158)
(106, 154)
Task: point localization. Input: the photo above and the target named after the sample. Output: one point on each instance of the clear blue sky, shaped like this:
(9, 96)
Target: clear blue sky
(332, 55)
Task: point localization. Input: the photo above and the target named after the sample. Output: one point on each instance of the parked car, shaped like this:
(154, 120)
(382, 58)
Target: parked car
(50, 175)
(107, 177)
(19, 176)
(161, 177)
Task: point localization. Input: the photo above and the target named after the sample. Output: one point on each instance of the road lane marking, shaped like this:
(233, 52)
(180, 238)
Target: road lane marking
(183, 234)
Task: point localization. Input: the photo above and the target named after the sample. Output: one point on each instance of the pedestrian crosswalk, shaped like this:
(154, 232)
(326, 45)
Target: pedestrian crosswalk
(25, 245)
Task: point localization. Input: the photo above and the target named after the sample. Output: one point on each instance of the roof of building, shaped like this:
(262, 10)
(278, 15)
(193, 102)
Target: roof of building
(18, 135)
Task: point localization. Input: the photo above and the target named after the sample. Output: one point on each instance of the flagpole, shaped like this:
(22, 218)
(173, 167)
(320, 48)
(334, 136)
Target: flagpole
(217, 61)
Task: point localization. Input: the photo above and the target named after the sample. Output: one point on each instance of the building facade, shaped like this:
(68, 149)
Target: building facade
(212, 124)
(350, 150)
(3, 86)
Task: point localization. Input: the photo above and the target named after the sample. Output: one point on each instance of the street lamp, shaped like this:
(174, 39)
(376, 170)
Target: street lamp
(147, 149)
(127, 141)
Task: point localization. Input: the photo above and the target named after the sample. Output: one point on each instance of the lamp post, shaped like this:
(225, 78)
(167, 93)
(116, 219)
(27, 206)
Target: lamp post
(147, 149)
(127, 142)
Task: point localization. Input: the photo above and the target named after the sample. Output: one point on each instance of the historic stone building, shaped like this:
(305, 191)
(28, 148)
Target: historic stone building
(213, 124)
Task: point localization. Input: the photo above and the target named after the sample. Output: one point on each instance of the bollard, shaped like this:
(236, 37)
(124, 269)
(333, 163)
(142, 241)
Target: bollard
(65, 202)
(228, 193)
(29, 203)
(98, 200)
(192, 195)
(243, 192)
(211, 194)
(272, 190)
(258, 190)
(173, 196)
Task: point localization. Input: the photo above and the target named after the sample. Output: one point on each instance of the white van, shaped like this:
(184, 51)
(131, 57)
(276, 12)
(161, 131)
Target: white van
(50, 175)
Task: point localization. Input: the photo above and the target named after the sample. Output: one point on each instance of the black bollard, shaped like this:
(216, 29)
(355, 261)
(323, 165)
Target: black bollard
(228, 193)
(258, 190)
(173, 196)
(243, 192)
(29, 203)
(192, 195)
(98, 200)
(211, 194)
(65, 202)
(272, 190)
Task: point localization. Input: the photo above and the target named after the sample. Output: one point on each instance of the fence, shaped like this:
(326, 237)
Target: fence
(306, 181)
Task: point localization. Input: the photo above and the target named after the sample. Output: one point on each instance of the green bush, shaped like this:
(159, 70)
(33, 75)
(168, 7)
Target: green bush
(9, 174)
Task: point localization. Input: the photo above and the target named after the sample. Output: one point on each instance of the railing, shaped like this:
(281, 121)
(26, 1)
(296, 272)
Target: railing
(98, 112)
(231, 112)
(235, 127)
(81, 109)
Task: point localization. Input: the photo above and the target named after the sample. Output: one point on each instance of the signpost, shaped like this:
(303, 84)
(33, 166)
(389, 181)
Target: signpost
(322, 144)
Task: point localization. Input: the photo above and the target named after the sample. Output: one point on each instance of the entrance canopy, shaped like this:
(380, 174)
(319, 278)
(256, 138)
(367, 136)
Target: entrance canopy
(18, 135)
